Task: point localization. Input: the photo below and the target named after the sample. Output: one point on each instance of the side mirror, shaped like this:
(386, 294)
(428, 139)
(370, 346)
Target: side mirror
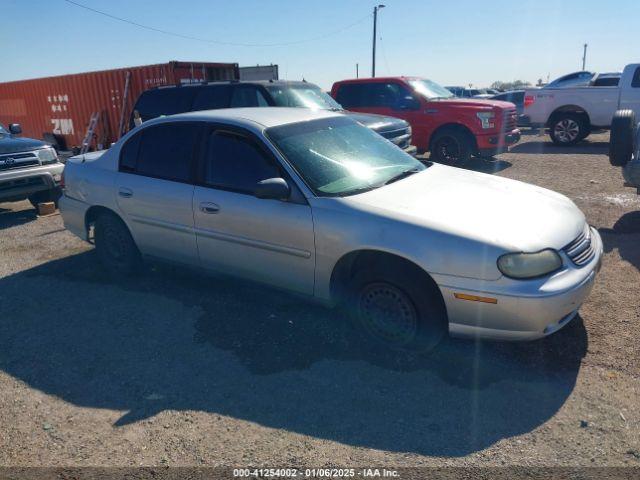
(273, 189)
(407, 103)
(15, 129)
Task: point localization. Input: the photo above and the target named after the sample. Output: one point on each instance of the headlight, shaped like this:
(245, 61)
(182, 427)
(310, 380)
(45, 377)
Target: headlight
(47, 155)
(486, 119)
(409, 130)
(529, 265)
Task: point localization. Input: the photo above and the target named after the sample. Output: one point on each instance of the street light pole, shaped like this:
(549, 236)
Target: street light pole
(375, 22)
(584, 56)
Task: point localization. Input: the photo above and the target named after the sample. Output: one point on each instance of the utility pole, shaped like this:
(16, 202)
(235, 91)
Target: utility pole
(357, 70)
(584, 56)
(375, 22)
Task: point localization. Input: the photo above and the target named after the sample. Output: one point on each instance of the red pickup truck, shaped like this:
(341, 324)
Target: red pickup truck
(452, 129)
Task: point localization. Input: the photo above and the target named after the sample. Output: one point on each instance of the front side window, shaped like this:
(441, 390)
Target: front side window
(337, 156)
(165, 151)
(305, 96)
(248, 96)
(234, 162)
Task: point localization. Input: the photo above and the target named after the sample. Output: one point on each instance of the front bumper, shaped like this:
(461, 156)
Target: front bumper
(73, 215)
(495, 143)
(22, 182)
(524, 309)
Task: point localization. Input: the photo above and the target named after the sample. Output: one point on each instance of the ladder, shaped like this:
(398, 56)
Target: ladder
(93, 122)
(124, 105)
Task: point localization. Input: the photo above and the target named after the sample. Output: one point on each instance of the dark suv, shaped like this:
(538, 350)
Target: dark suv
(277, 93)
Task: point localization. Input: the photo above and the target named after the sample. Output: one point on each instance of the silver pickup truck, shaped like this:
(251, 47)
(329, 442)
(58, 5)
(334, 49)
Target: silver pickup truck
(29, 169)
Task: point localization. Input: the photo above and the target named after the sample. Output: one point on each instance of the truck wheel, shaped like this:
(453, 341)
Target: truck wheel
(44, 196)
(621, 141)
(395, 310)
(568, 129)
(451, 147)
(115, 246)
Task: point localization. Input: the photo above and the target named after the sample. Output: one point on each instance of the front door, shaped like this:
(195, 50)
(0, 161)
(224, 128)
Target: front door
(270, 241)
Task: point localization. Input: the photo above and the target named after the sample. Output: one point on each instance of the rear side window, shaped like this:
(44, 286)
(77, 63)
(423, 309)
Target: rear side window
(635, 82)
(248, 96)
(212, 97)
(235, 163)
(163, 151)
(165, 101)
(350, 95)
(370, 95)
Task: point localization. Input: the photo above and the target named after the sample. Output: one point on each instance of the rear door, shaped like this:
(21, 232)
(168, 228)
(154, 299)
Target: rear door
(271, 241)
(154, 189)
(212, 97)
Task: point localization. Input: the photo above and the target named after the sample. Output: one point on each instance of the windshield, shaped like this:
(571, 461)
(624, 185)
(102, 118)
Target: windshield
(305, 96)
(338, 156)
(430, 90)
(3, 132)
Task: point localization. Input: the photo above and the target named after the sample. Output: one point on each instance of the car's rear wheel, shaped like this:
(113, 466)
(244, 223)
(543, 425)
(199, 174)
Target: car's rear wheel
(568, 129)
(451, 147)
(396, 309)
(622, 137)
(115, 246)
(44, 196)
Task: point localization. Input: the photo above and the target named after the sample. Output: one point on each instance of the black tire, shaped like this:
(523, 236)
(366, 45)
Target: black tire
(115, 247)
(451, 147)
(396, 309)
(568, 129)
(44, 196)
(622, 138)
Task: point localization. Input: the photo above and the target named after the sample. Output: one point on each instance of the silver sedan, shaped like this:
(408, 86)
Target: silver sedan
(316, 203)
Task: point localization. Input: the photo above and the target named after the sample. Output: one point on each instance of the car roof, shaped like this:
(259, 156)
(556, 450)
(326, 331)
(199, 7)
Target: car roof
(234, 82)
(264, 116)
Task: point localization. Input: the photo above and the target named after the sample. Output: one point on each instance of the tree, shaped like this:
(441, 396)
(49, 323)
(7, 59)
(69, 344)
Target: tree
(514, 85)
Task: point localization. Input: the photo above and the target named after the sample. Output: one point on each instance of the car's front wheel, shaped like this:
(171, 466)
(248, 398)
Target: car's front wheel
(397, 310)
(451, 147)
(115, 246)
(568, 129)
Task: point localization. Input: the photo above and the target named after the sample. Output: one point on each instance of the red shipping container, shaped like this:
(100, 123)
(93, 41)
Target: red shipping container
(63, 105)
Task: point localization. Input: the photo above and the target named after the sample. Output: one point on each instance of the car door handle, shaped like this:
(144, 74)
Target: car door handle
(125, 192)
(208, 207)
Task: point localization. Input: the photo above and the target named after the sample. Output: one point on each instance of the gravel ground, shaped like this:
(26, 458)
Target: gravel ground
(177, 368)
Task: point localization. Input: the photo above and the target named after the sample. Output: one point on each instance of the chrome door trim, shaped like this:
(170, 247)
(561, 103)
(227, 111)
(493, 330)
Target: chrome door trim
(159, 223)
(225, 237)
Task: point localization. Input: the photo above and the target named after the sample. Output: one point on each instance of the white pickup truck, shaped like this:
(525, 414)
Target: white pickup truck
(572, 113)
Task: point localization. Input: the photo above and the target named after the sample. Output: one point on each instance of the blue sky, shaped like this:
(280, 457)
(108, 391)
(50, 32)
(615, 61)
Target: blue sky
(458, 42)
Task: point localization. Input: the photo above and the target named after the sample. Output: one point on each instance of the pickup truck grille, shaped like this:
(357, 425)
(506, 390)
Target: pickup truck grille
(18, 160)
(580, 250)
(510, 120)
(401, 136)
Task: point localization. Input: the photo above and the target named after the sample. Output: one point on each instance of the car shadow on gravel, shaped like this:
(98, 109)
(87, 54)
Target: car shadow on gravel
(11, 218)
(486, 165)
(546, 146)
(624, 237)
(171, 339)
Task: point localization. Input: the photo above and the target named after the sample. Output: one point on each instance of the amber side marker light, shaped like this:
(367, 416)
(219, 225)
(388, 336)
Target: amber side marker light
(475, 298)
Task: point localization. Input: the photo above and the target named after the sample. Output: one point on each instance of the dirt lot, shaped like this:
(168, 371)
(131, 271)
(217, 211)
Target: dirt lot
(176, 368)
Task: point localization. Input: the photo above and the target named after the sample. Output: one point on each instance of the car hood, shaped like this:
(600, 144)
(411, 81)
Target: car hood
(504, 213)
(17, 145)
(479, 103)
(377, 123)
